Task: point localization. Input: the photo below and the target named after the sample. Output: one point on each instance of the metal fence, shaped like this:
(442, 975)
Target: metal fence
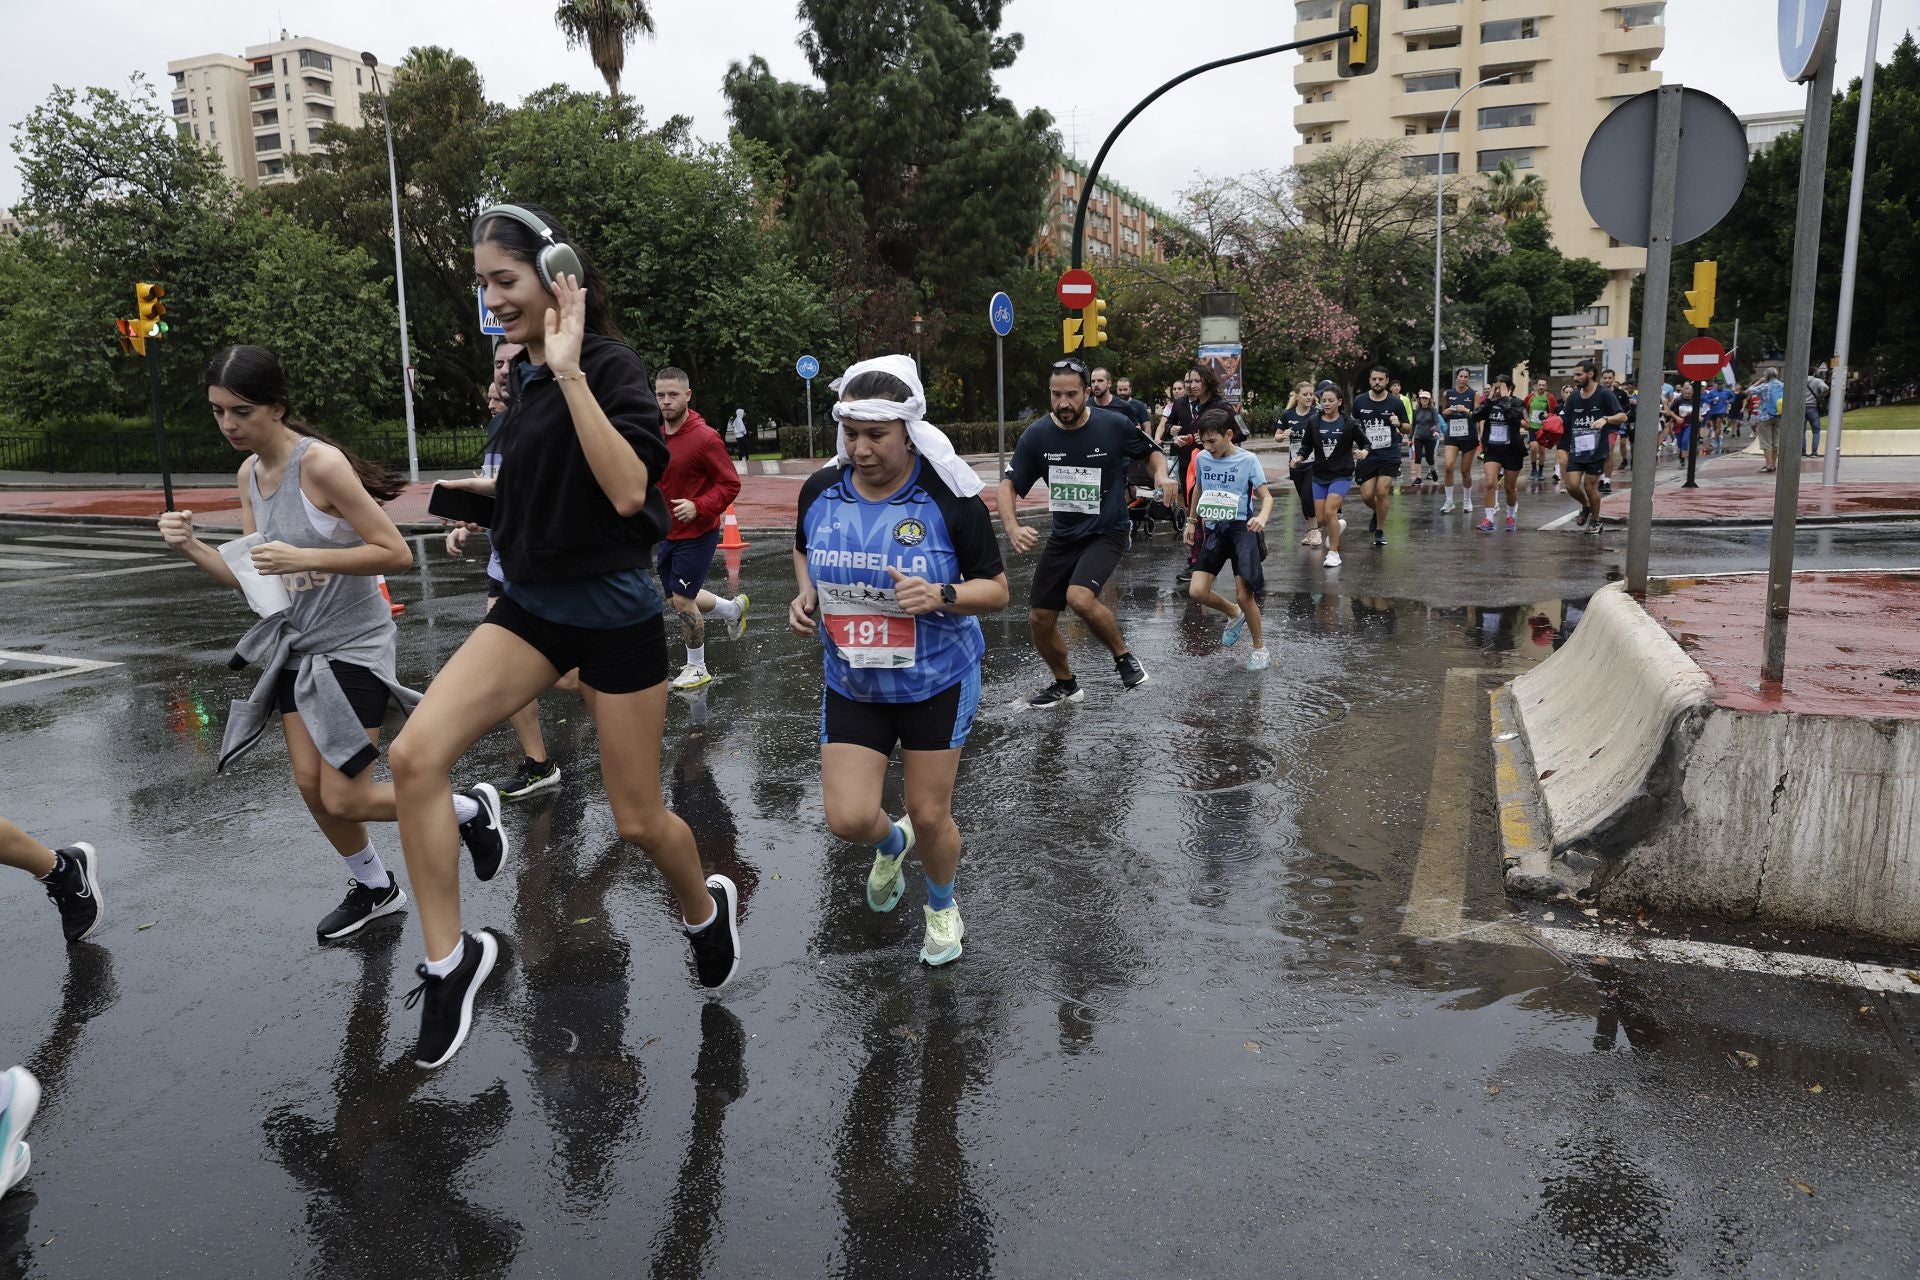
(121, 452)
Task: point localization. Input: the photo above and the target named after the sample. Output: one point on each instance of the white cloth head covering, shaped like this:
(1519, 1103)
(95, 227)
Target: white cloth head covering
(930, 441)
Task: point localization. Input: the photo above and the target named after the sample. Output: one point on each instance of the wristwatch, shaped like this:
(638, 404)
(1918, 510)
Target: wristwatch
(947, 594)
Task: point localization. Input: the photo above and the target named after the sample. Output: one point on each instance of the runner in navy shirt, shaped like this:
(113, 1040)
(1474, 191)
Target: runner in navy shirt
(1591, 414)
(1457, 438)
(893, 566)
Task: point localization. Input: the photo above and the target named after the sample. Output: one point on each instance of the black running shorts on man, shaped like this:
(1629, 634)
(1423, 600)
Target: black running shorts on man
(1083, 562)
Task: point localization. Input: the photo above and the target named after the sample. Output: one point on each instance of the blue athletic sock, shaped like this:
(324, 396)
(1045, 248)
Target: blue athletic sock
(939, 896)
(896, 841)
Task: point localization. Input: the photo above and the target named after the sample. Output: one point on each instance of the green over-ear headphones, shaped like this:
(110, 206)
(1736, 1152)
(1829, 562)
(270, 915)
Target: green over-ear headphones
(556, 258)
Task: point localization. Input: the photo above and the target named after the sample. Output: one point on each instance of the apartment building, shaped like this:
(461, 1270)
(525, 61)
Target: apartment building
(1767, 127)
(269, 103)
(1567, 63)
(1121, 227)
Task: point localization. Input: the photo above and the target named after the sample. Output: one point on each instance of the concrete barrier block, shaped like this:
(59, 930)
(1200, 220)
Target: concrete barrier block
(1598, 714)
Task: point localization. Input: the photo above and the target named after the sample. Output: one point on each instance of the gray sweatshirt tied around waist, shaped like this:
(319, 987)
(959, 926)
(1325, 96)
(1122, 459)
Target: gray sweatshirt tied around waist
(333, 618)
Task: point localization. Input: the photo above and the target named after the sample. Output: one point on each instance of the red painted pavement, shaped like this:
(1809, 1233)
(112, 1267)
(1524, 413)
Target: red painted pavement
(1853, 641)
(1754, 501)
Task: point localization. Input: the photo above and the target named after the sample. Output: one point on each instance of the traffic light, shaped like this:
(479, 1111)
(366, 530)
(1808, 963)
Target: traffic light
(1093, 327)
(1070, 334)
(133, 341)
(1706, 277)
(147, 297)
(1359, 52)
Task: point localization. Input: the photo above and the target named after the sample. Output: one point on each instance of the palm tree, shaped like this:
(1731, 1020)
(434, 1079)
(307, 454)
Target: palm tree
(1509, 195)
(606, 28)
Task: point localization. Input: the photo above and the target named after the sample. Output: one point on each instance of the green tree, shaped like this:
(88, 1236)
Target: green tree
(116, 194)
(700, 273)
(1507, 283)
(1508, 194)
(1754, 243)
(605, 28)
(910, 185)
(443, 128)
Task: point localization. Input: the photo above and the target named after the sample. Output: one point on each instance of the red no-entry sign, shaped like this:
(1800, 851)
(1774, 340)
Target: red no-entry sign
(1076, 289)
(1700, 358)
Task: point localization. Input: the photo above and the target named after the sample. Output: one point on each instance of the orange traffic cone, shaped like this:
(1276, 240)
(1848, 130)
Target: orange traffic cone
(395, 609)
(730, 539)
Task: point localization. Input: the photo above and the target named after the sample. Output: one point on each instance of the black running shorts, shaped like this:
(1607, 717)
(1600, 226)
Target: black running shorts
(1510, 457)
(1233, 543)
(939, 723)
(366, 692)
(611, 660)
(1084, 562)
(1376, 464)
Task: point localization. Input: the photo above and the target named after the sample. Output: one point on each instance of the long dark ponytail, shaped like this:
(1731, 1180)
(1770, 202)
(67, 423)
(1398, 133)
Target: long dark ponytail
(518, 241)
(255, 375)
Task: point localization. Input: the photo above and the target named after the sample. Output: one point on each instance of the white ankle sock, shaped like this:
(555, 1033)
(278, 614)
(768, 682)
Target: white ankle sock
(1513, 511)
(465, 808)
(367, 868)
(703, 925)
(441, 968)
(696, 657)
(726, 610)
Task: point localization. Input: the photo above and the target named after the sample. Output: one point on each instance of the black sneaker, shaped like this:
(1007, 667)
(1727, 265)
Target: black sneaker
(1059, 693)
(360, 907)
(1379, 538)
(1183, 577)
(716, 948)
(1580, 521)
(532, 775)
(74, 886)
(1606, 485)
(1132, 674)
(483, 835)
(446, 1004)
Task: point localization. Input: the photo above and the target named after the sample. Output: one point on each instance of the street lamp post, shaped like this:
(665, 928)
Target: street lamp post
(1439, 219)
(919, 324)
(399, 273)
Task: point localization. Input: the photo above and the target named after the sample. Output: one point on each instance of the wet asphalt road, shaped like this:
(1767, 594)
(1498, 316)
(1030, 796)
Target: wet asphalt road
(1189, 1036)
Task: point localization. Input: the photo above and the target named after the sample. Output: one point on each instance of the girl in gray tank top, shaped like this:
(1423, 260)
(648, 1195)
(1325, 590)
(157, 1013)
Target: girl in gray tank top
(327, 659)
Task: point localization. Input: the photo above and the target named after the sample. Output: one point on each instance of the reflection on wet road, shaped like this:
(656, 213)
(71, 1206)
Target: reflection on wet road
(1191, 1034)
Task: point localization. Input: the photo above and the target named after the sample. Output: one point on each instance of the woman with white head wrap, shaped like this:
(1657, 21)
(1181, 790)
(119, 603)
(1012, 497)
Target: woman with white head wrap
(895, 557)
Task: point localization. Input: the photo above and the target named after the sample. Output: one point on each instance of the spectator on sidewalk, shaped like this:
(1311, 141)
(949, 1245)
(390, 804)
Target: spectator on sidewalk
(1766, 418)
(1816, 393)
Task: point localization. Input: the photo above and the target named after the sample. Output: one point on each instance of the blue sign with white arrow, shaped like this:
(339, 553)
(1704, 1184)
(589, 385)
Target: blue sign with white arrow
(1000, 314)
(488, 325)
(807, 367)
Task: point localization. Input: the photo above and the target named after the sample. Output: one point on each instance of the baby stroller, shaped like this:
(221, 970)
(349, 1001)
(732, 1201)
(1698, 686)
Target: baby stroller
(1146, 506)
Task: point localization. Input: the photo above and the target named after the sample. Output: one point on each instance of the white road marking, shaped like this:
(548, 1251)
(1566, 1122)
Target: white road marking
(62, 667)
(1556, 523)
(7, 563)
(125, 540)
(1719, 955)
(101, 573)
(81, 553)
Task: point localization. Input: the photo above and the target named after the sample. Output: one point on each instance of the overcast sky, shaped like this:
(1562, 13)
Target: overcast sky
(1086, 63)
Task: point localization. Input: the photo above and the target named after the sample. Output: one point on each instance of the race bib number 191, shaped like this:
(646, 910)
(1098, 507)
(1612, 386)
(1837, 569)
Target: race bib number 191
(867, 627)
(1075, 490)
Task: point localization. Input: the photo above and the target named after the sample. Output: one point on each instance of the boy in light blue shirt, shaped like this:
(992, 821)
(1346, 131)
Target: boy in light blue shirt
(1226, 478)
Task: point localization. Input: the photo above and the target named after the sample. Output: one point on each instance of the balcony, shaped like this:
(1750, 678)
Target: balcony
(1404, 63)
(1315, 27)
(1532, 136)
(1625, 84)
(317, 98)
(1504, 52)
(1637, 41)
(1316, 72)
(1433, 103)
(266, 119)
(1315, 114)
(262, 74)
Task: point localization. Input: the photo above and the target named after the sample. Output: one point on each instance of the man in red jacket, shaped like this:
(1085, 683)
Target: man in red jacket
(699, 485)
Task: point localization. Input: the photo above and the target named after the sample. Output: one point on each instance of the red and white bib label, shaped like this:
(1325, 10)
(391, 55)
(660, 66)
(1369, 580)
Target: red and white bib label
(867, 627)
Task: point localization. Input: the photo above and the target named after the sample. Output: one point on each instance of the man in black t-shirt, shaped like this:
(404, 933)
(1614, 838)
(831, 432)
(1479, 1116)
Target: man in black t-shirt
(1082, 453)
(1592, 414)
(1382, 418)
(1123, 389)
(1106, 397)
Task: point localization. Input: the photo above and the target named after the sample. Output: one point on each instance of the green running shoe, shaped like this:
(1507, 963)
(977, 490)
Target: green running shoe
(885, 883)
(944, 931)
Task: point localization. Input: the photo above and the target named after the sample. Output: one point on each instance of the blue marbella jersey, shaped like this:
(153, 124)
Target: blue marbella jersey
(874, 650)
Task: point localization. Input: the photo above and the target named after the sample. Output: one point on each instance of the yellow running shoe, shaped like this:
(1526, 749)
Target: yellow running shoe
(944, 931)
(885, 883)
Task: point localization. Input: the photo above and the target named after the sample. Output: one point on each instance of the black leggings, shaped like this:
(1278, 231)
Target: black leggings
(1303, 485)
(1423, 452)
